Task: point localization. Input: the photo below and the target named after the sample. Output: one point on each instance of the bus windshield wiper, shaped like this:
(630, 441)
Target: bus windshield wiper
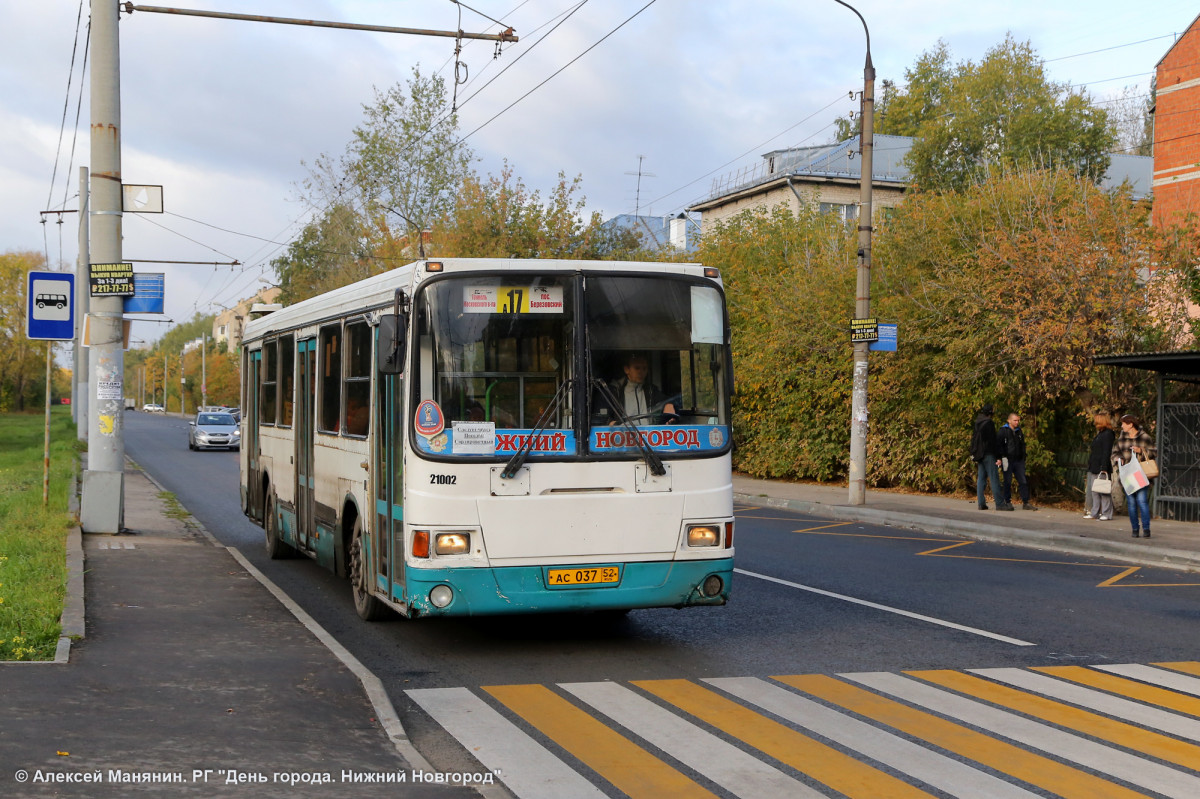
(650, 456)
(518, 459)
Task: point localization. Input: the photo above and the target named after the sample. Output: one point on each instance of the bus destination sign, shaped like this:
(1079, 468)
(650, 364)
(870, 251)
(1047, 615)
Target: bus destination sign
(111, 280)
(513, 299)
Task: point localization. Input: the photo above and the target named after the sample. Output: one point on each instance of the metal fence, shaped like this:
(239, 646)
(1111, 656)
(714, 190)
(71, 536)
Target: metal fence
(1177, 494)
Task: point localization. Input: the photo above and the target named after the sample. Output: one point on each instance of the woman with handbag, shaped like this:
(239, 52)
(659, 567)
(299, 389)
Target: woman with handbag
(1098, 502)
(1135, 444)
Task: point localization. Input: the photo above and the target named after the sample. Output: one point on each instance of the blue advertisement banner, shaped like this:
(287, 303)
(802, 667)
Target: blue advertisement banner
(149, 292)
(465, 441)
(667, 438)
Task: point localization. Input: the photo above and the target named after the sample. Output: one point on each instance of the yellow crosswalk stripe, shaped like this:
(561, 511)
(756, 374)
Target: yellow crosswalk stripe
(1163, 747)
(626, 765)
(1186, 666)
(1003, 757)
(833, 768)
(1163, 697)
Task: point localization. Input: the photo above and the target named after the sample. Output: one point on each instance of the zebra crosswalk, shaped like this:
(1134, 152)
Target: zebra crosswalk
(1009, 733)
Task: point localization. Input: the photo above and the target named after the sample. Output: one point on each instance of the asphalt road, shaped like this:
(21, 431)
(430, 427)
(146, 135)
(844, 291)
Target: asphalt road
(800, 606)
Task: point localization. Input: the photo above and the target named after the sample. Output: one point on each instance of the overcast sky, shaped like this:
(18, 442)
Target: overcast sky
(224, 114)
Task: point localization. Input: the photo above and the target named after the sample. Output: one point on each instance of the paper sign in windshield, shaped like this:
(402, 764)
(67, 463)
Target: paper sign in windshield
(513, 299)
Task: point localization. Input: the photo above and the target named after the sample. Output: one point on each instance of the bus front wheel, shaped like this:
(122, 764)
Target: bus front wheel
(276, 548)
(368, 607)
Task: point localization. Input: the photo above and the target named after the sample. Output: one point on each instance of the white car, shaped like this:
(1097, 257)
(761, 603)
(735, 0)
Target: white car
(214, 431)
(150, 407)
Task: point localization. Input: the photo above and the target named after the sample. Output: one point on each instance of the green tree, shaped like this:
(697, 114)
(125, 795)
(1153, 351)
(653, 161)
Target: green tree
(1000, 113)
(331, 251)
(404, 162)
(22, 360)
(790, 286)
(1003, 292)
(502, 218)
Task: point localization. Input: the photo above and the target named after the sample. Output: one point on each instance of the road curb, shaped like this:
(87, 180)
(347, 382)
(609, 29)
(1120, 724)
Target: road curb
(381, 703)
(981, 531)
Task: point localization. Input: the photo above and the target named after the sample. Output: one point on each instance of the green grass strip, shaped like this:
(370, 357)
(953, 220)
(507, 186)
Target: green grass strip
(33, 572)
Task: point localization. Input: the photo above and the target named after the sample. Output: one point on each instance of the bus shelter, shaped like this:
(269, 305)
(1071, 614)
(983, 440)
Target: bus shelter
(1177, 431)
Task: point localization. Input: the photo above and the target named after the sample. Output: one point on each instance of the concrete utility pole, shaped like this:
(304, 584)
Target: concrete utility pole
(102, 508)
(204, 370)
(82, 295)
(862, 303)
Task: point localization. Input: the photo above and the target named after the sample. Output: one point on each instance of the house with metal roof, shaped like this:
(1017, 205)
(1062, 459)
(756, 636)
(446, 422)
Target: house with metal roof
(830, 175)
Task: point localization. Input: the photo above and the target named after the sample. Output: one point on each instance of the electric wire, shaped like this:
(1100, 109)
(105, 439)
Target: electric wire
(66, 104)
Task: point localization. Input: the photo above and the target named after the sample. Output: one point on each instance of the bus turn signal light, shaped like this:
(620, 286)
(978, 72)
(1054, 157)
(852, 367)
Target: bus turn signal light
(420, 544)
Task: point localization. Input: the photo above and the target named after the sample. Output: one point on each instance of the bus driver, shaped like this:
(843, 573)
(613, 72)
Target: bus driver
(642, 400)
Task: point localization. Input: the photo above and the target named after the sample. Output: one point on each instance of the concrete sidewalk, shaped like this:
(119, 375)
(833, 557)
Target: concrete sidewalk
(193, 679)
(1174, 544)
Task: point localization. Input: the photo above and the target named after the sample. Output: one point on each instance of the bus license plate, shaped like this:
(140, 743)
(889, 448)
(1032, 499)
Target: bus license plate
(595, 575)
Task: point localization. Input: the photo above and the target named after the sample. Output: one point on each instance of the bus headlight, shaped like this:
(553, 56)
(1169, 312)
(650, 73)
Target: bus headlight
(703, 535)
(441, 596)
(453, 543)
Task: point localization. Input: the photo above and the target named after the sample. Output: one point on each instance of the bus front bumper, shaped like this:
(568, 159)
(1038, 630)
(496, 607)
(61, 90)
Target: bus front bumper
(524, 589)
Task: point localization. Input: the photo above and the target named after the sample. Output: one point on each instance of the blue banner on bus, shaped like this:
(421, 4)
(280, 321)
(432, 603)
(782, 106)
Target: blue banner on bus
(465, 439)
(668, 438)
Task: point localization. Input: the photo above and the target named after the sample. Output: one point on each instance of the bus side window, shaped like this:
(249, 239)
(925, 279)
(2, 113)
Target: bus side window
(358, 379)
(331, 378)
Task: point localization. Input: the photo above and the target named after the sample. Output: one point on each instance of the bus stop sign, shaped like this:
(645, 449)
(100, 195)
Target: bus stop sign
(51, 306)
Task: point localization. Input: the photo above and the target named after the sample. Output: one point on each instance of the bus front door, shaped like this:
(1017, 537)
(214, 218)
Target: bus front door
(306, 414)
(387, 542)
(255, 501)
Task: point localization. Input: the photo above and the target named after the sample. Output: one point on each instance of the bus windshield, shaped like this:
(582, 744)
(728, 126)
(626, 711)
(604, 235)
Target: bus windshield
(589, 365)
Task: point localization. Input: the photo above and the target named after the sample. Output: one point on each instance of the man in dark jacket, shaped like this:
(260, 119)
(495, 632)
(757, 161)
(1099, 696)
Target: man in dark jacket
(1010, 446)
(983, 451)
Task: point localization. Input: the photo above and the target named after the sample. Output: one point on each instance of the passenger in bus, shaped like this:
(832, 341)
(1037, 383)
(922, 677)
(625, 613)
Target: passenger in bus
(643, 401)
(358, 416)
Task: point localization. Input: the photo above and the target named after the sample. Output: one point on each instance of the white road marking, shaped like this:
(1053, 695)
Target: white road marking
(943, 773)
(1073, 748)
(723, 763)
(1110, 705)
(887, 609)
(526, 767)
(1160, 677)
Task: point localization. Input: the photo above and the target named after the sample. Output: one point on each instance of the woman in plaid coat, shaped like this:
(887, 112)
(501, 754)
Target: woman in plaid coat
(1133, 440)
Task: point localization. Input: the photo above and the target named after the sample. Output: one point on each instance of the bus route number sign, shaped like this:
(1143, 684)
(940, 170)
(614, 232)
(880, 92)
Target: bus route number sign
(513, 299)
(591, 575)
(111, 280)
(864, 330)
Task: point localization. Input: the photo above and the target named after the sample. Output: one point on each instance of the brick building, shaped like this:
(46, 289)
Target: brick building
(1177, 130)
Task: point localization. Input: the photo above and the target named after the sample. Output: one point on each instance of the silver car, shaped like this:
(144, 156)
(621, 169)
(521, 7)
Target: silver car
(214, 431)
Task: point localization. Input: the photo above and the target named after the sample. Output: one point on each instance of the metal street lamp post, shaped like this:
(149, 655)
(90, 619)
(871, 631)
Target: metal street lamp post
(862, 304)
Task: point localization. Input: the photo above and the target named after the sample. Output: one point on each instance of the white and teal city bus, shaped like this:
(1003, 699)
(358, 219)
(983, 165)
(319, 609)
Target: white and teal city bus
(453, 436)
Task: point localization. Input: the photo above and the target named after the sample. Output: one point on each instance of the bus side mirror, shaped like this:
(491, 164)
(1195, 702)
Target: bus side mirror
(389, 345)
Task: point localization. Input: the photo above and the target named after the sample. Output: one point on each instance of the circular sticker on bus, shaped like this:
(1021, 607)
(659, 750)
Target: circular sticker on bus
(429, 421)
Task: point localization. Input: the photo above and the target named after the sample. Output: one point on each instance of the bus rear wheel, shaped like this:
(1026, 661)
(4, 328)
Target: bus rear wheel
(367, 606)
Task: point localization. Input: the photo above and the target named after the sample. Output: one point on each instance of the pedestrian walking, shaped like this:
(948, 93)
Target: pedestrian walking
(1099, 504)
(1134, 441)
(987, 462)
(1010, 446)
